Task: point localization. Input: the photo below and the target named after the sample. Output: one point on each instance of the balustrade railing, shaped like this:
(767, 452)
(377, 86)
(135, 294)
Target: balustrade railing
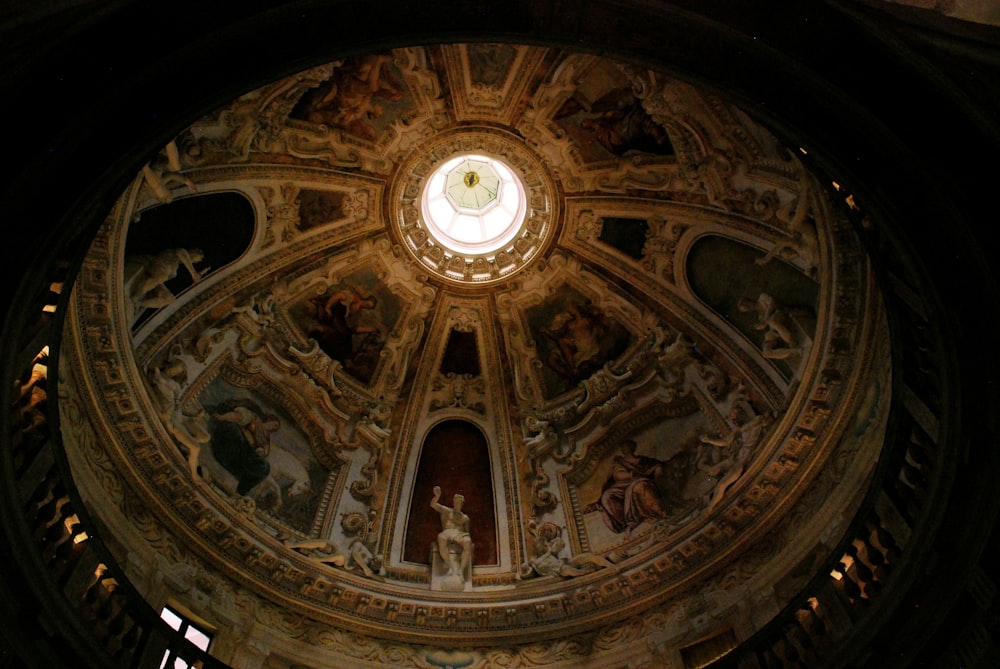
(846, 599)
(93, 616)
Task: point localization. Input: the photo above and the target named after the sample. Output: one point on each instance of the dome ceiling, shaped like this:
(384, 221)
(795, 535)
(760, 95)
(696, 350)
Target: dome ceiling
(667, 381)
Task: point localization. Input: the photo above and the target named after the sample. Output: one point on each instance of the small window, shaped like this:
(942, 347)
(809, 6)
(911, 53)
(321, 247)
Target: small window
(190, 631)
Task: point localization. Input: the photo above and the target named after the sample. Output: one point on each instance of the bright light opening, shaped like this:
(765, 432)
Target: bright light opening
(199, 637)
(473, 204)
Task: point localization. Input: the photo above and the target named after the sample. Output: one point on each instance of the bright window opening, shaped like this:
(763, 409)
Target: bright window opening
(473, 204)
(196, 635)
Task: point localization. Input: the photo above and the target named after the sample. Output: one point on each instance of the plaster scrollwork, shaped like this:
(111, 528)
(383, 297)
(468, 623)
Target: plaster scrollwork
(245, 506)
(663, 368)
(755, 200)
(542, 499)
(661, 246)
(551, 141)
(317, 283)
(363, 489)
(375, 418)
(332, 145)
(282, 214)
(588, 226)
(265, 345)
(662, 372)
(413, 63)
(230, 135)
(253, 122)
(81, 438)
(558, 150)
(520, 352)
(609, 301)
(458, 391)
(602, 387)
(425, 85)
(634, 176)
(187, 578)
(207, 343)
(463, 320)
(673, 351)
(710, 175)
(356, 204)
(399, 272)
(644, 82)
(574, 648)
(485, 96)
(540, 280)
(260, 330)
(319, 366)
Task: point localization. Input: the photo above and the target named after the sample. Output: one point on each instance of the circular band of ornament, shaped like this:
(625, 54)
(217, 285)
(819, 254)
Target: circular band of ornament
(474, 205)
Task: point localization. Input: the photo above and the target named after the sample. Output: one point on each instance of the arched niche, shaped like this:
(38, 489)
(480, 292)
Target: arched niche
(455, 455)
(220, 226)
(724, 272)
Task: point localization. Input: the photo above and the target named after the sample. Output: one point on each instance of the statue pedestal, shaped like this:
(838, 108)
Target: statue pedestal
(449, 577)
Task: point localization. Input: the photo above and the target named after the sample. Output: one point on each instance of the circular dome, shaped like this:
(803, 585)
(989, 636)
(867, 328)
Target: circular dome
(473, 204)
(648, 367)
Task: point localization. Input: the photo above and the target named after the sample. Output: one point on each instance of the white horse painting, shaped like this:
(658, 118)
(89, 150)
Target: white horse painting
(287, 481)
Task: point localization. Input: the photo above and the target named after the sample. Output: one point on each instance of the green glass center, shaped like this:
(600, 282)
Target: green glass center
(472, 185)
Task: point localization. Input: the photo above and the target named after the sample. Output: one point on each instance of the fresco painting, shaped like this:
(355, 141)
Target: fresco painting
(574, 339)
(630, 495)
(318, 207)
(257, 450)
(489, 64)
(351, 321)
(667, 474)
(364, 96)
(607, 123)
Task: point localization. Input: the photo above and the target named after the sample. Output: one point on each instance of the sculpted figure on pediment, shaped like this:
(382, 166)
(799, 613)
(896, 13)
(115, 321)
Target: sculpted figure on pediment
(724, 458)
(164, 172)
(321, 551)
(802, 242)
(547, 546)
(189, 426)
(146, 276)
(782, 337)
(544, 443)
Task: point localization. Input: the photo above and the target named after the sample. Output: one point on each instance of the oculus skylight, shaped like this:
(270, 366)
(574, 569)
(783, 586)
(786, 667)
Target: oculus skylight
(473, 204)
